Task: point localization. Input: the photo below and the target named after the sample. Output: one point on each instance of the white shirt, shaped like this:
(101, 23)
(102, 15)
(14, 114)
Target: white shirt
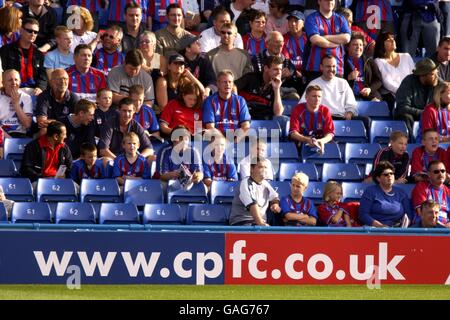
(244, 168)
(336, 95)
(236, 13)
(210, 40)
(392, 76)
(86, 38)
(9, 121)
(190, 5)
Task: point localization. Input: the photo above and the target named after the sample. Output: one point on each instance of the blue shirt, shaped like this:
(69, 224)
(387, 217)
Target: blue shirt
(147, 119)
(56, 60)
(305, 206)
(226, 170)
(168, 162)
(139, 168)
(80, 171)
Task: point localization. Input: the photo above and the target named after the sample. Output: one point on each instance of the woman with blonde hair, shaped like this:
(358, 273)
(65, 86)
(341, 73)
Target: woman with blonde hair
(82, 29)
(333, 212)
(436, 115)
(10, 23)
(155, 64)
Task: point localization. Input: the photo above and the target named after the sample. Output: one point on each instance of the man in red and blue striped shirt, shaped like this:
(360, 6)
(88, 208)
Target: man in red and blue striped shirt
(109, 55)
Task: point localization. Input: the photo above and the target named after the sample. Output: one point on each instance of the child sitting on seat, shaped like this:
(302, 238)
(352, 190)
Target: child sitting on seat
(87, 166)
(332, 212)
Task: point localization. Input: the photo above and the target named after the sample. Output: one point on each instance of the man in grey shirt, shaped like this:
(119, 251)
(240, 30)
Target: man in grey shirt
(254, 197)
(122, 77)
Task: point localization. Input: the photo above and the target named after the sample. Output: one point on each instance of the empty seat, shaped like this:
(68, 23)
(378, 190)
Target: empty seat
(14, 147)
(266, 129)
(287, 170)
(31, 212)
(162, 213)
(222, 192)
(314, 192)
(8, 168)
(332, 153)
(380, 130)
(142, 191)
(197, 194)
(361, 153)
(209, 214)
(341, 172)
(349, 131)
(17, 189)
(56, 190)
(118, 213)
(99, 190)
(282, 151)
(353, 191)
(376, 110)
(75, 212)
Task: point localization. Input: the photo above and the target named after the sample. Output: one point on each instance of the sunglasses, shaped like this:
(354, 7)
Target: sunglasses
(387, 174)
(439, 171)
(31, 31)
(226, 32)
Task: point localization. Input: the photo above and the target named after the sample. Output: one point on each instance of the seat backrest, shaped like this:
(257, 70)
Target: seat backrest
(407, 187)
(332, 153)
(353, 191)
(55, 190)
(118, 213)
(99, 190)
(266, 129)
(197, 194)
(14, 147)
(222, 192)
(8, 168)
(30, 212)
(288, 106)
(314, 192)
(162, 213)
(17, 189)
(361, 153)
(289, 169)
(380, 130)
(3, 213)
(283, 188)
(376, 110)
(282, 151)
(341, 172)
(410, 148)
(349, 131)
(74, 212)
(417, 134)
(206, 214)
(142, 191)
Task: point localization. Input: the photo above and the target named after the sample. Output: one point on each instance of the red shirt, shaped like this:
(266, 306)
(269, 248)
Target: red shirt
(432, 118)
(420, 159)
(51, 158)
(311, 124)
(175, 114)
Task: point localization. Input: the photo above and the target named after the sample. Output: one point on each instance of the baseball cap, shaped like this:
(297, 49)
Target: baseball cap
(187, 40)
(296, 14)
(176, 58)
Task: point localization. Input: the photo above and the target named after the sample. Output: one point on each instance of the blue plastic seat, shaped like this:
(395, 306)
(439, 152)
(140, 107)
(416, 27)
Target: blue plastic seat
(14, 147)
(314, 192)
(118, 213)
(331, 154)
(353, 191)
(8, 168)
(407, 187)
(99, 190)
(288, 169)
(283, 152)
(410, 148)
(75, 212)
(222, 192)
(266, 129)
(197, 194)
(3, 214)
(56, 190)
(31, 212)
(361, 153)
(206, 214)
(341, 172)
(17, 189)
(289, 106)
(375, 110)
(349, 131)
(417, 135)
(162, 213)
(283, 188)
(143, 191)
(380, 130)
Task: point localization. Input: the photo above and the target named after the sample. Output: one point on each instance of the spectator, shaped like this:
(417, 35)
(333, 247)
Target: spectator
(424, 154)
(43, 156)
(118, 8)
(333, 212)
(110, 54)
(254, 197)
(263, 91)
(211, 37)
(374, 16)
(198, 63)
(328, 32)
(361, 71)
(10, 23)
(416, 92)
(82, 30)
(434, 189)
(104, 113)
(368, 40)
(396, 155)
(46, 15)
(254, 41)
(257, 149)
(185, 110)
(277, 18)
(122, 77)
(394, 67)
(445, 9)
(158, 13)
(313, 133)
(133, 28)
(224, 102)
(25, 57)
(384, 205)
(143, 113)
(111, 138)
(240, 12)
(56, 101)
(87, 166)
(429, 214)
(227, 56)
(296, 210)
(84, 80)
(154, 63)
(94, 7)
(192, 16)
(436, 114)
(337, 94)
(79, 126)
(8, 204)
(16, 110)
(180, 154)
(168, 38)
(130, 165)
(217, 166)
(442, 57)
(61, 57)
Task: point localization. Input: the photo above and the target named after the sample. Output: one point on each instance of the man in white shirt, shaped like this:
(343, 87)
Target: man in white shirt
(210, 38)
(337, 94)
